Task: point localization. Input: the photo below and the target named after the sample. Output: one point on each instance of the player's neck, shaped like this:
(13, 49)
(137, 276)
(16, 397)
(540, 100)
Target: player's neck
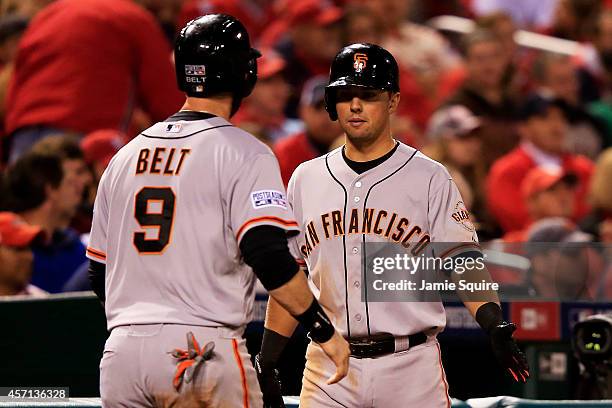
(362, 152)
(218, 106)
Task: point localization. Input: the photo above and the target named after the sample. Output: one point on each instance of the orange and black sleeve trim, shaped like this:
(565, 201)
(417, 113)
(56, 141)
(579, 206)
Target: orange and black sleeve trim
(96, 254)
(266, 220)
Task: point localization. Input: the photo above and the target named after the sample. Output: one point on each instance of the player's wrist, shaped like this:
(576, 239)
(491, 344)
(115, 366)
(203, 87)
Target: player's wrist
(489, 316)
(316, 323)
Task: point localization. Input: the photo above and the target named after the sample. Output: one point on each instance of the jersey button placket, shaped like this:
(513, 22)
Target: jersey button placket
(353, 247)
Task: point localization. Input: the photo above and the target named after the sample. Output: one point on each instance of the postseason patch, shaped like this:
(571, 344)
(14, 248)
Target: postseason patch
(268, 198)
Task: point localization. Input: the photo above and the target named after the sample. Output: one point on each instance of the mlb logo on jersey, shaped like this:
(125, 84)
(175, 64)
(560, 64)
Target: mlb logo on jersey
(268, 198)
(174, 128)
(360, 61)
(197, 70)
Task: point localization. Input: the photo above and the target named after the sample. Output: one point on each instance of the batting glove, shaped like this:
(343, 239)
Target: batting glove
(507, 352)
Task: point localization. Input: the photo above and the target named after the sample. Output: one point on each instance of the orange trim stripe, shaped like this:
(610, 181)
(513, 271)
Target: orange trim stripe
(448, 401)
(245, 390)
(466, 245)
(96, 254)
(277, 220)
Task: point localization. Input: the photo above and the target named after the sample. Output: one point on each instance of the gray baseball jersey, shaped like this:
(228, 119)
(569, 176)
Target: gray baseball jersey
(170, 212)
(408, 199)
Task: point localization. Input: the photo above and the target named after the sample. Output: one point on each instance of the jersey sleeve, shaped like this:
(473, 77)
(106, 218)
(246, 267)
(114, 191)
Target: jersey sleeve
(258, 198)
(294, 244)
(96, 249)
(450, 225)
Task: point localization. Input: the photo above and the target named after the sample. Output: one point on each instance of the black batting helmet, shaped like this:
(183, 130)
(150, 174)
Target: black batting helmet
(363, 65)
(213, 55)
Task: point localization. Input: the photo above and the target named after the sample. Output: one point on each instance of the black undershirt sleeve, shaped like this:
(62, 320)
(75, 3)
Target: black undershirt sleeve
(97, 276)
(264, 248)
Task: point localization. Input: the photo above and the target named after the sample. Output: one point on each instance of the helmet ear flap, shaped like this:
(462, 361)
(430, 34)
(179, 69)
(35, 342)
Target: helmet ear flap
(250, 77)
(330, 103)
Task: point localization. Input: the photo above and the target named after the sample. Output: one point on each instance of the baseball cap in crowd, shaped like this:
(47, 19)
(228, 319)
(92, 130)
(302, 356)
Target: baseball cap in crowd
(543, 178)
(270, 63)
(538, 105)
(101, 145)
(555, 233)
(14, 232)
(319, 12)
(452, 121)
(556, 229)
(313, 92)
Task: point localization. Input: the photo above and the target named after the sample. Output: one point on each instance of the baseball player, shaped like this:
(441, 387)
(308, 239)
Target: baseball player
(375, 189)
(186, 216)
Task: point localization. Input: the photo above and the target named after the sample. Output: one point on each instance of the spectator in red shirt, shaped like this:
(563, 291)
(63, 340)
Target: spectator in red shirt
(12, 27)
(86, 64)
(543, 130)
(319, 133)
(547, 192)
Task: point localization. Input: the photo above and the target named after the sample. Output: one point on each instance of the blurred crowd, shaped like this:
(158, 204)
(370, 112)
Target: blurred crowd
(526, 132)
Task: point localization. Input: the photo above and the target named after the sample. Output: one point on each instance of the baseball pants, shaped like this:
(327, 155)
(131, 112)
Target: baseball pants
(137, 369)
(411, 378)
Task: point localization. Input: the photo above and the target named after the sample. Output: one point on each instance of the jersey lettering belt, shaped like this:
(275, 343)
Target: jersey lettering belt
(383, 343)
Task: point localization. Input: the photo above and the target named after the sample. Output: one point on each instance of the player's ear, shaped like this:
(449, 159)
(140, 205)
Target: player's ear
(393, 102)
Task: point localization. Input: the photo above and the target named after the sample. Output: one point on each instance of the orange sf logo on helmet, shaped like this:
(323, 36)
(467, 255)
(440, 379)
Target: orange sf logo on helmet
(360, 61)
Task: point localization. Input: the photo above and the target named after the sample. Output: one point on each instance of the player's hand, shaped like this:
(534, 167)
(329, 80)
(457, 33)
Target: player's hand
(507, 352)
(338, 350)
(270, 384)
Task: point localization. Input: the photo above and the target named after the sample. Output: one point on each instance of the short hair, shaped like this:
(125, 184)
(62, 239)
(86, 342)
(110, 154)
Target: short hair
(65, 146)
(476, 37)
(27, 179)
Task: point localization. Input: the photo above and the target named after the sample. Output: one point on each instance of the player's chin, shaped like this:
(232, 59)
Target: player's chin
(361, 133)
(360, 138)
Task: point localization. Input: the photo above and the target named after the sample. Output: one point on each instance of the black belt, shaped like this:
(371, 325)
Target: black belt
(381, 344)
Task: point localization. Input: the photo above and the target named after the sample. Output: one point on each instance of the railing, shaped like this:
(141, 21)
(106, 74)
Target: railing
(523, 38)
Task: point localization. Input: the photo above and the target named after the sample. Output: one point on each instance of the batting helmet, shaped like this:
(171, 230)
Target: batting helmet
(363, 65)
(213, 55)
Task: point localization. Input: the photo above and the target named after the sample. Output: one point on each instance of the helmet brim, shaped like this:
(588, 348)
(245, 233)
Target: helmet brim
(345, 82)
